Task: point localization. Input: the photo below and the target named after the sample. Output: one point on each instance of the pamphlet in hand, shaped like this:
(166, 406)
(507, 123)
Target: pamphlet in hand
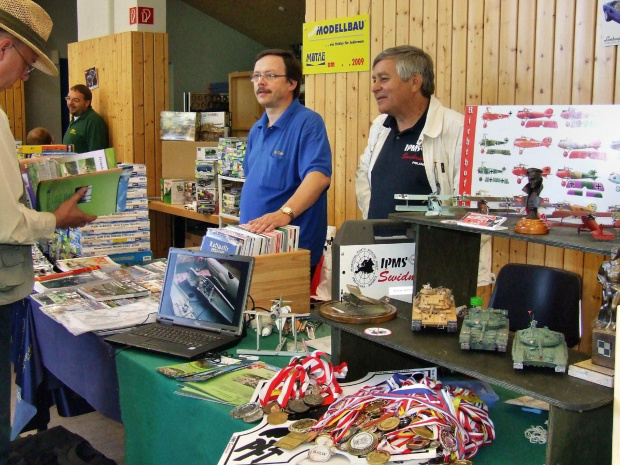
(478, 220)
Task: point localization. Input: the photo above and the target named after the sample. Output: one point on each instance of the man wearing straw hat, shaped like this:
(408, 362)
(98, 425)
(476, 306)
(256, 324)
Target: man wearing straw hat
(24, 30)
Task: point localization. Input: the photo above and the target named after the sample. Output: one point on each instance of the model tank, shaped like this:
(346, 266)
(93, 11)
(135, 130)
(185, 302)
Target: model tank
(539, 347)
(434, 307)
(485, 329)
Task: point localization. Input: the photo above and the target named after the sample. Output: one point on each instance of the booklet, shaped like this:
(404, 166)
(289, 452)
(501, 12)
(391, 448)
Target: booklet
(105, 192)
(478, 220)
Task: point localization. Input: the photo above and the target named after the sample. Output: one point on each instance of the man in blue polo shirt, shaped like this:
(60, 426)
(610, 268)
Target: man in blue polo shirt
(288, 159)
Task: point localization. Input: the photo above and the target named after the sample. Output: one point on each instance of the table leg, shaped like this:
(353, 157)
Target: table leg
(579, 437)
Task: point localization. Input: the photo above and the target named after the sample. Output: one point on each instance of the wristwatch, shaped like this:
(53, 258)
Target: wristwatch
(288, 211)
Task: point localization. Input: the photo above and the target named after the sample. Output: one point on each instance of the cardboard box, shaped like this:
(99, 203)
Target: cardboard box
(193, 239)
(179, 125)
(173, 191)
(178, 158)
(282, 274)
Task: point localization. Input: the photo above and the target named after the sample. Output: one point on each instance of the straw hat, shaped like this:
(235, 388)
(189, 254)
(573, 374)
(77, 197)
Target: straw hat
(28, 22)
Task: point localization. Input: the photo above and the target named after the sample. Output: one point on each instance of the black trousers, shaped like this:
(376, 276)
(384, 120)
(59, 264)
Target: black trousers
(5, 381)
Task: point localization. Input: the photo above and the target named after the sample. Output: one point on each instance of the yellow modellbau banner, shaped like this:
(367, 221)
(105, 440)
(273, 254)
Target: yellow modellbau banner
(337, 45)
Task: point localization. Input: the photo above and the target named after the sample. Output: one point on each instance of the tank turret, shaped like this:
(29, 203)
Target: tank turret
(434, 307)
(539, 347)
(485, 329)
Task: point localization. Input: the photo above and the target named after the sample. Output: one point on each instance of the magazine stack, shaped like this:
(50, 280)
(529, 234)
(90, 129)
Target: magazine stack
(236, 240)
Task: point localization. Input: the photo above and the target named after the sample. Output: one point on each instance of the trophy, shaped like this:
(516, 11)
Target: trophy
(604, 327)
(532, 224)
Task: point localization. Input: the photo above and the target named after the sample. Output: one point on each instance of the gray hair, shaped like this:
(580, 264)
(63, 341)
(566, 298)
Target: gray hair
(410, 60)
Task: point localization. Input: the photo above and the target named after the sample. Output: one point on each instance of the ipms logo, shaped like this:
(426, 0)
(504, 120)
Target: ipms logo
(364, 268)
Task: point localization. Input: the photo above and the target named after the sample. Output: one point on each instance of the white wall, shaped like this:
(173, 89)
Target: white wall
(203, 50)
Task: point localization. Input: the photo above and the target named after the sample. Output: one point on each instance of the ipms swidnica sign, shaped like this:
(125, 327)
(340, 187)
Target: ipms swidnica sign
(337, 45)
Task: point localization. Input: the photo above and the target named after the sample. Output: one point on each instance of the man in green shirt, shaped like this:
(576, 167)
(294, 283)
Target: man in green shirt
(87, 131)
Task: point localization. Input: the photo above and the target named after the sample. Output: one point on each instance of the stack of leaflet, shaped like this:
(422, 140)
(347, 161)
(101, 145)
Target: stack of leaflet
(231, 156)
(206, 180)
(123, 236)
(28, 151)
(234, 239)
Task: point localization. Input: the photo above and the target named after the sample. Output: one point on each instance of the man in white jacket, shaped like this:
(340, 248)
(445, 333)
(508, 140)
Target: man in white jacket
(414, 146)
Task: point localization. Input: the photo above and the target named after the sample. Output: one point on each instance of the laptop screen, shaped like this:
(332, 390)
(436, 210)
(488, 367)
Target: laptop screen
(204, 289)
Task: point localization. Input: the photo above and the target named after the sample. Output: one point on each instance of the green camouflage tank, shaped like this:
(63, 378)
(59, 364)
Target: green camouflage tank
(539, 347)
(485, 329)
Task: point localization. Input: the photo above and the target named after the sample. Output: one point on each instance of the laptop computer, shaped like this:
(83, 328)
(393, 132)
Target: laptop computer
(202, 301)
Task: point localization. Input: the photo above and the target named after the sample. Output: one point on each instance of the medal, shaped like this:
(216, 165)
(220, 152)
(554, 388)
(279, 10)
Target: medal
(320, 454)
(241, 411)
(297, 406)
(378, 457)
(302, 426)
(277, 418)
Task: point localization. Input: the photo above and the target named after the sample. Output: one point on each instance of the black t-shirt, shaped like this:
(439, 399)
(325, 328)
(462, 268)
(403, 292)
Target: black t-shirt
(399, 169)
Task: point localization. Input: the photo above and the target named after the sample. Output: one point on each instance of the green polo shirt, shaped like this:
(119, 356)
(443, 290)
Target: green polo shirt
(87, 132)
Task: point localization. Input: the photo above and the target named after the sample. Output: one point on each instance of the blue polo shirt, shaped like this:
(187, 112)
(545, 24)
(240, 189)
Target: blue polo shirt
(277, 159)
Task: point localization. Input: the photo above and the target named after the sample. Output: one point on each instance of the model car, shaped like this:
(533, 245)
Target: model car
(611, 11)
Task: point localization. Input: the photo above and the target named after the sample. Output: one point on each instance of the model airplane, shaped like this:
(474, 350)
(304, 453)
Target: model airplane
(487, 170)
(569, 145)
(527, 114)
(489, 116)
(520, 171)
(528, 143)
(571, 113)
(587, 215)
(486, 142)
(434, 206)
(567, 173)
(541, 124)
(592, 154)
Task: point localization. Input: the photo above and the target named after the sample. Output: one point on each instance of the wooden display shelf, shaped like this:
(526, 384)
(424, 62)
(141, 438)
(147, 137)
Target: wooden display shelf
(180, 210)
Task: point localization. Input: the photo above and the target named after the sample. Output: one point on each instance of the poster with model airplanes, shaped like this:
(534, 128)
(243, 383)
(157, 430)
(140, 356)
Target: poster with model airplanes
(577, 148)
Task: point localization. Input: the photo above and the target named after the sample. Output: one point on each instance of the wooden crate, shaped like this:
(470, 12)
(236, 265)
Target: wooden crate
(286, 274)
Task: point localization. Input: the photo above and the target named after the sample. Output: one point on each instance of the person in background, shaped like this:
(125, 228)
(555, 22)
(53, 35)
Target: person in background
(39, 136)
(87, 131)
(288, 161)
(24, 30)
(414, 146)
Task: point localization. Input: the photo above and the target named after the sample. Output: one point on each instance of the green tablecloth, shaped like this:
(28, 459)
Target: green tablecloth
(164, 428)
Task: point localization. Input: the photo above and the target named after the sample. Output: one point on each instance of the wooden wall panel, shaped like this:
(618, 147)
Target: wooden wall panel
(520, 52)
(12, 103)
(133, 89)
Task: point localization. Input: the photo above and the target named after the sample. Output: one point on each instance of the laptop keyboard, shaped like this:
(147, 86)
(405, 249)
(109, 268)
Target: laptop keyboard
(179, 335)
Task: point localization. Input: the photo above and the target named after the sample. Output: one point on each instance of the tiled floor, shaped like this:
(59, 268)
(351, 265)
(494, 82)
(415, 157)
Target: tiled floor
(105, 435)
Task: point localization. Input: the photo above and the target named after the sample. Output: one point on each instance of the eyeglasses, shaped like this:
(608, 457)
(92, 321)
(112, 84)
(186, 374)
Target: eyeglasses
(73, 100)
(268, 77)
(30, 67)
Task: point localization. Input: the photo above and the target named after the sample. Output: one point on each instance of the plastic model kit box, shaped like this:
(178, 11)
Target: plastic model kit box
(173, 191)
(176, 125)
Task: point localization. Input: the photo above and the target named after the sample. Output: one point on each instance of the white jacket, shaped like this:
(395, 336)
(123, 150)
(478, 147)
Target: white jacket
(441, 144)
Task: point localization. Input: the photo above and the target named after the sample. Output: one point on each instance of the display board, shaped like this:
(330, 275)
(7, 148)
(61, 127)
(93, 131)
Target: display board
(379, 270)
(577, 147)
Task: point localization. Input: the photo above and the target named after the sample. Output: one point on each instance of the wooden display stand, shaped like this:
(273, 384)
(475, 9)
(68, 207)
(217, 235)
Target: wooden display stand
(282, 274)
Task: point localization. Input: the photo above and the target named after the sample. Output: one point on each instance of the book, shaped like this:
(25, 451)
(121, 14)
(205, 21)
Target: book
(478, 220)
(87, 162)
(219, 243)
(101, 198)
(112, 290)
(591, 372)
